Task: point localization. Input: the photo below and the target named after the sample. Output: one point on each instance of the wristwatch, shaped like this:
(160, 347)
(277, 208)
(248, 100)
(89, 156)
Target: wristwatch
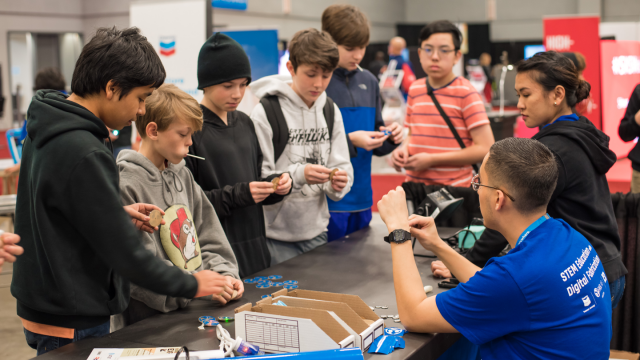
(398, 236)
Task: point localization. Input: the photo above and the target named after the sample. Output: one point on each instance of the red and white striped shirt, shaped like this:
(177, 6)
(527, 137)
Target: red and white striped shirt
(430, 133)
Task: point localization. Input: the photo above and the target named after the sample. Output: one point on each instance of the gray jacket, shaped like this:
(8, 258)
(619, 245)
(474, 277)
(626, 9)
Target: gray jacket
(192, 237)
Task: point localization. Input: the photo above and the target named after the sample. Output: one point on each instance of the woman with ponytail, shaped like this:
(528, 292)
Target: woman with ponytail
(548, 85)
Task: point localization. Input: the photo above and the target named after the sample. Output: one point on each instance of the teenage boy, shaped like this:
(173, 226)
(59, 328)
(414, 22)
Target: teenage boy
(548, 298)
(231, 175)
(192, 239)
(431, 154)
(80, 248)
(357, 94)
(316, 158)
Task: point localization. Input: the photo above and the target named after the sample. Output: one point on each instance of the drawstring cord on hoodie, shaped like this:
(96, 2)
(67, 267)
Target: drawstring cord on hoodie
(176, 179)
(110, 144)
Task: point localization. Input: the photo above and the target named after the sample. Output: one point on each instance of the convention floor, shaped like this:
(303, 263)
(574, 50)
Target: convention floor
(13, 345)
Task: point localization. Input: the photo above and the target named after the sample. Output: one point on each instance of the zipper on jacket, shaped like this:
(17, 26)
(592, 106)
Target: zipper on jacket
(349, 90)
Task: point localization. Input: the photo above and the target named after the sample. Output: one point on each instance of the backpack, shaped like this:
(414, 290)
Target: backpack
(276, 119)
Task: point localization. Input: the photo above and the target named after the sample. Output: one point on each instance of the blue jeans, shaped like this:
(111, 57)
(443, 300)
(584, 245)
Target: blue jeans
(44, 343)
(617, 290)
(345, 223)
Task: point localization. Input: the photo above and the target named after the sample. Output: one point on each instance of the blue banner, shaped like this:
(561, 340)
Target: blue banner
(230, 4)
(262, 48)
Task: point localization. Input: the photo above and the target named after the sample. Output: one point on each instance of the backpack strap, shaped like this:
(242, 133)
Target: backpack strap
(329, 115)
(276, 119)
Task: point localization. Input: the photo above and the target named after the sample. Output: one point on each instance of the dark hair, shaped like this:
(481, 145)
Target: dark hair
(441, 26)
(124, 56)
(49, 78)
(551, 69)
(313, 47)
(526, 168)
(347, 25)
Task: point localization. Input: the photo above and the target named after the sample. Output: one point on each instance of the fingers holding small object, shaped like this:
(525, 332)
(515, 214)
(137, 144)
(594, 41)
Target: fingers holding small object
(275, 182)
(155, 218)
(333, 173)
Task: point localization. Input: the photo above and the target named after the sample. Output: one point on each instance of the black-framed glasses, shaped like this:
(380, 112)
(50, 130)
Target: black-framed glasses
(475, 184)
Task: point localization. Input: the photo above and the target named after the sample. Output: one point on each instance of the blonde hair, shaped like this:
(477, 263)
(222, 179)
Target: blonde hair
(165, 105)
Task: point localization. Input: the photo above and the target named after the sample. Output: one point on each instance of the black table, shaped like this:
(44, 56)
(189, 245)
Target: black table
(359, 264)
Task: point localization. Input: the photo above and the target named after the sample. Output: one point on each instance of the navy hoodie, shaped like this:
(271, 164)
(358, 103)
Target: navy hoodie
(581, 198)
(357, 94)
(80, 247)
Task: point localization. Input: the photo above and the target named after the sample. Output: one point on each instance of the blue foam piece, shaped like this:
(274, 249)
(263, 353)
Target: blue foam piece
(263, 286)
(291, 287)
(260, 278)
(386, 132)
(265, 296)
(277, 284)
(290, 282)
(275, 277)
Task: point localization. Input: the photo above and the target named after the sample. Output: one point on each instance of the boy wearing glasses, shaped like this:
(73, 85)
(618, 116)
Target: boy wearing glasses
(431, 154)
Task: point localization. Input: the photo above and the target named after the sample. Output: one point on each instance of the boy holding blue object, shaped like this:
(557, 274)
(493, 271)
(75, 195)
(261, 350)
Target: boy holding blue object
(357, 94)
(547, 298)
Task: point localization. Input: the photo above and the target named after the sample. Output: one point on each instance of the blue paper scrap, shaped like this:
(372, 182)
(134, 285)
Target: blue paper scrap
(279, 303)
(386, 344)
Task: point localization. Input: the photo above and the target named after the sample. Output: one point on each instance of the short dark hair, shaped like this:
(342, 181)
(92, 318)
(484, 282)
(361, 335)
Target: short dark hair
(441, 26)
(526, 168)
(313, 47)
(49, 78)
(551, 69)
(124, 56)
(347, 25)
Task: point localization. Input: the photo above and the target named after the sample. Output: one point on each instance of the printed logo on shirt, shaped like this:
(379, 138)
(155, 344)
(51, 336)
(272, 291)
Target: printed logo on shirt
(179, 238)
(306, 146)
(586, 300)
(308, 136)
(362, 86)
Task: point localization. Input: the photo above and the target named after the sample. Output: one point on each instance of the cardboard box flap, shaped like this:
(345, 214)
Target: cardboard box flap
(321, 318)
(344, 311)
(245, 307)
(354, 301)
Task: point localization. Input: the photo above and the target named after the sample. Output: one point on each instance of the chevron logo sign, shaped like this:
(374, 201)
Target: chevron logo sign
(167, 45)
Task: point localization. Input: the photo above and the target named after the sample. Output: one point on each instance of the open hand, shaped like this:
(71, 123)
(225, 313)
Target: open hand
(140, 216)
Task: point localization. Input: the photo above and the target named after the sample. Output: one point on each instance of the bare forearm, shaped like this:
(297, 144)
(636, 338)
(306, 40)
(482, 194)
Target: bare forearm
(459, 266)
(467, 156)
(406, 280)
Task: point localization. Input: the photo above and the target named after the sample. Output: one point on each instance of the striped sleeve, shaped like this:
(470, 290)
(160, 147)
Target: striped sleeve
(473, 111)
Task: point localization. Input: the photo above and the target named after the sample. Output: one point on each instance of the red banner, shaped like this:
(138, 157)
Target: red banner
(620, 75)
(579, 34)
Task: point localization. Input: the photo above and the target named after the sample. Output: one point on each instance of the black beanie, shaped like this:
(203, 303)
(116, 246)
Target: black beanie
(221, 59)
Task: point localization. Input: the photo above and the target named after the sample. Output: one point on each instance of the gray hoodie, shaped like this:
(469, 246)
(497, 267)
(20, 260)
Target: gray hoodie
(304, 214)
(192, 237)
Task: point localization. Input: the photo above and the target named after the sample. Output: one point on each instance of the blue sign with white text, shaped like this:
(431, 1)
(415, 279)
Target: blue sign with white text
(230, 4)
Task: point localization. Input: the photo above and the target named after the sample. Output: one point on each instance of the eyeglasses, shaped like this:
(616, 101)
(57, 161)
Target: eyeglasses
(475, 184)
(442, 52)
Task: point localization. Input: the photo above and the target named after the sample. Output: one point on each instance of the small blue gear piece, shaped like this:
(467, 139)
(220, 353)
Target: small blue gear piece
(291, 287)
(249, 281)
(277, 284)
(290, 282)
(260, 278)
(275, 277)
(208, 321)
(263, 286)
(386, 132)
(263, 283)
(394, 331)
(265, 296)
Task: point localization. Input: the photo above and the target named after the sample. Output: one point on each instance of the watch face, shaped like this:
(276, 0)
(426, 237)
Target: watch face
(398, 235)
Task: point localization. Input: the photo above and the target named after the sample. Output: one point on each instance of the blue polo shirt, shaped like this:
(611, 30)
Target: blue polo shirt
(547, 299)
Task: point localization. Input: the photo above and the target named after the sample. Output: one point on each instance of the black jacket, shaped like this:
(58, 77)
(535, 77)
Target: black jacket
(582, 196)
(629, 129)
(233, 159)
(80, 247)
